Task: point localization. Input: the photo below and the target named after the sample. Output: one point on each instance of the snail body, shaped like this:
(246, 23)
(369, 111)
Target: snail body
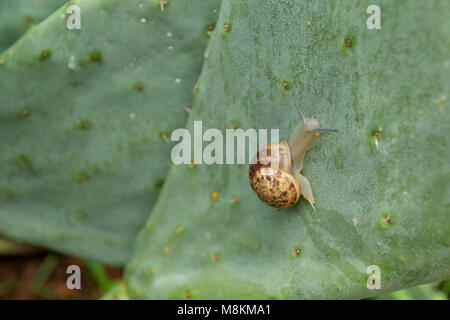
(275, 172)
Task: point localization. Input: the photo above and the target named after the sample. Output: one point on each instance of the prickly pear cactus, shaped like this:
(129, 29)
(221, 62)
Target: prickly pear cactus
(84, 120)
(17, 16)
(381, 184)
(117, 292)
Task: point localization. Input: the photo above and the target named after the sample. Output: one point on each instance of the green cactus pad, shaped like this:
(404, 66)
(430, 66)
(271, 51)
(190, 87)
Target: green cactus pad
(82, 156)
(117, 292)
(17, 16)
(381, 184)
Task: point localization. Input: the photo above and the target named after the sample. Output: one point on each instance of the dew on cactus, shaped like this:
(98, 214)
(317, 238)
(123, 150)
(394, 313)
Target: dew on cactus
(72, 64)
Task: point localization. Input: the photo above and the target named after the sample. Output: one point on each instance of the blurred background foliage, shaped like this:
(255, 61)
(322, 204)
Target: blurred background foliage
(32, 273)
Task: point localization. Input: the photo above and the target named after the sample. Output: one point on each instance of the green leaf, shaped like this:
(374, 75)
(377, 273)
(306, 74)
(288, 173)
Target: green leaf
(84, 118)
(100, 276)
(386, 207)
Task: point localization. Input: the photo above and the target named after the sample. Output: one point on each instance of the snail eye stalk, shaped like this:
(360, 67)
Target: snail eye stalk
(299, 110)
(324, 130)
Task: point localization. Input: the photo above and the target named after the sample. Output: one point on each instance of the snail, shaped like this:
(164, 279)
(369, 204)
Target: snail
(275, 171)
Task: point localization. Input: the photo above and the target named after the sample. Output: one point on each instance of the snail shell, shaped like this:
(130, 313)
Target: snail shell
(276, 185)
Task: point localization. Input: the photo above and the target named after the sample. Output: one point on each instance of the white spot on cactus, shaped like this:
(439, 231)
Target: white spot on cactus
(141, 5)
(355, 222)
(62, 16)
(143, 20)
(177, 80)
(72, 63)
(170, 47)
(132, 115)
(169, 34)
